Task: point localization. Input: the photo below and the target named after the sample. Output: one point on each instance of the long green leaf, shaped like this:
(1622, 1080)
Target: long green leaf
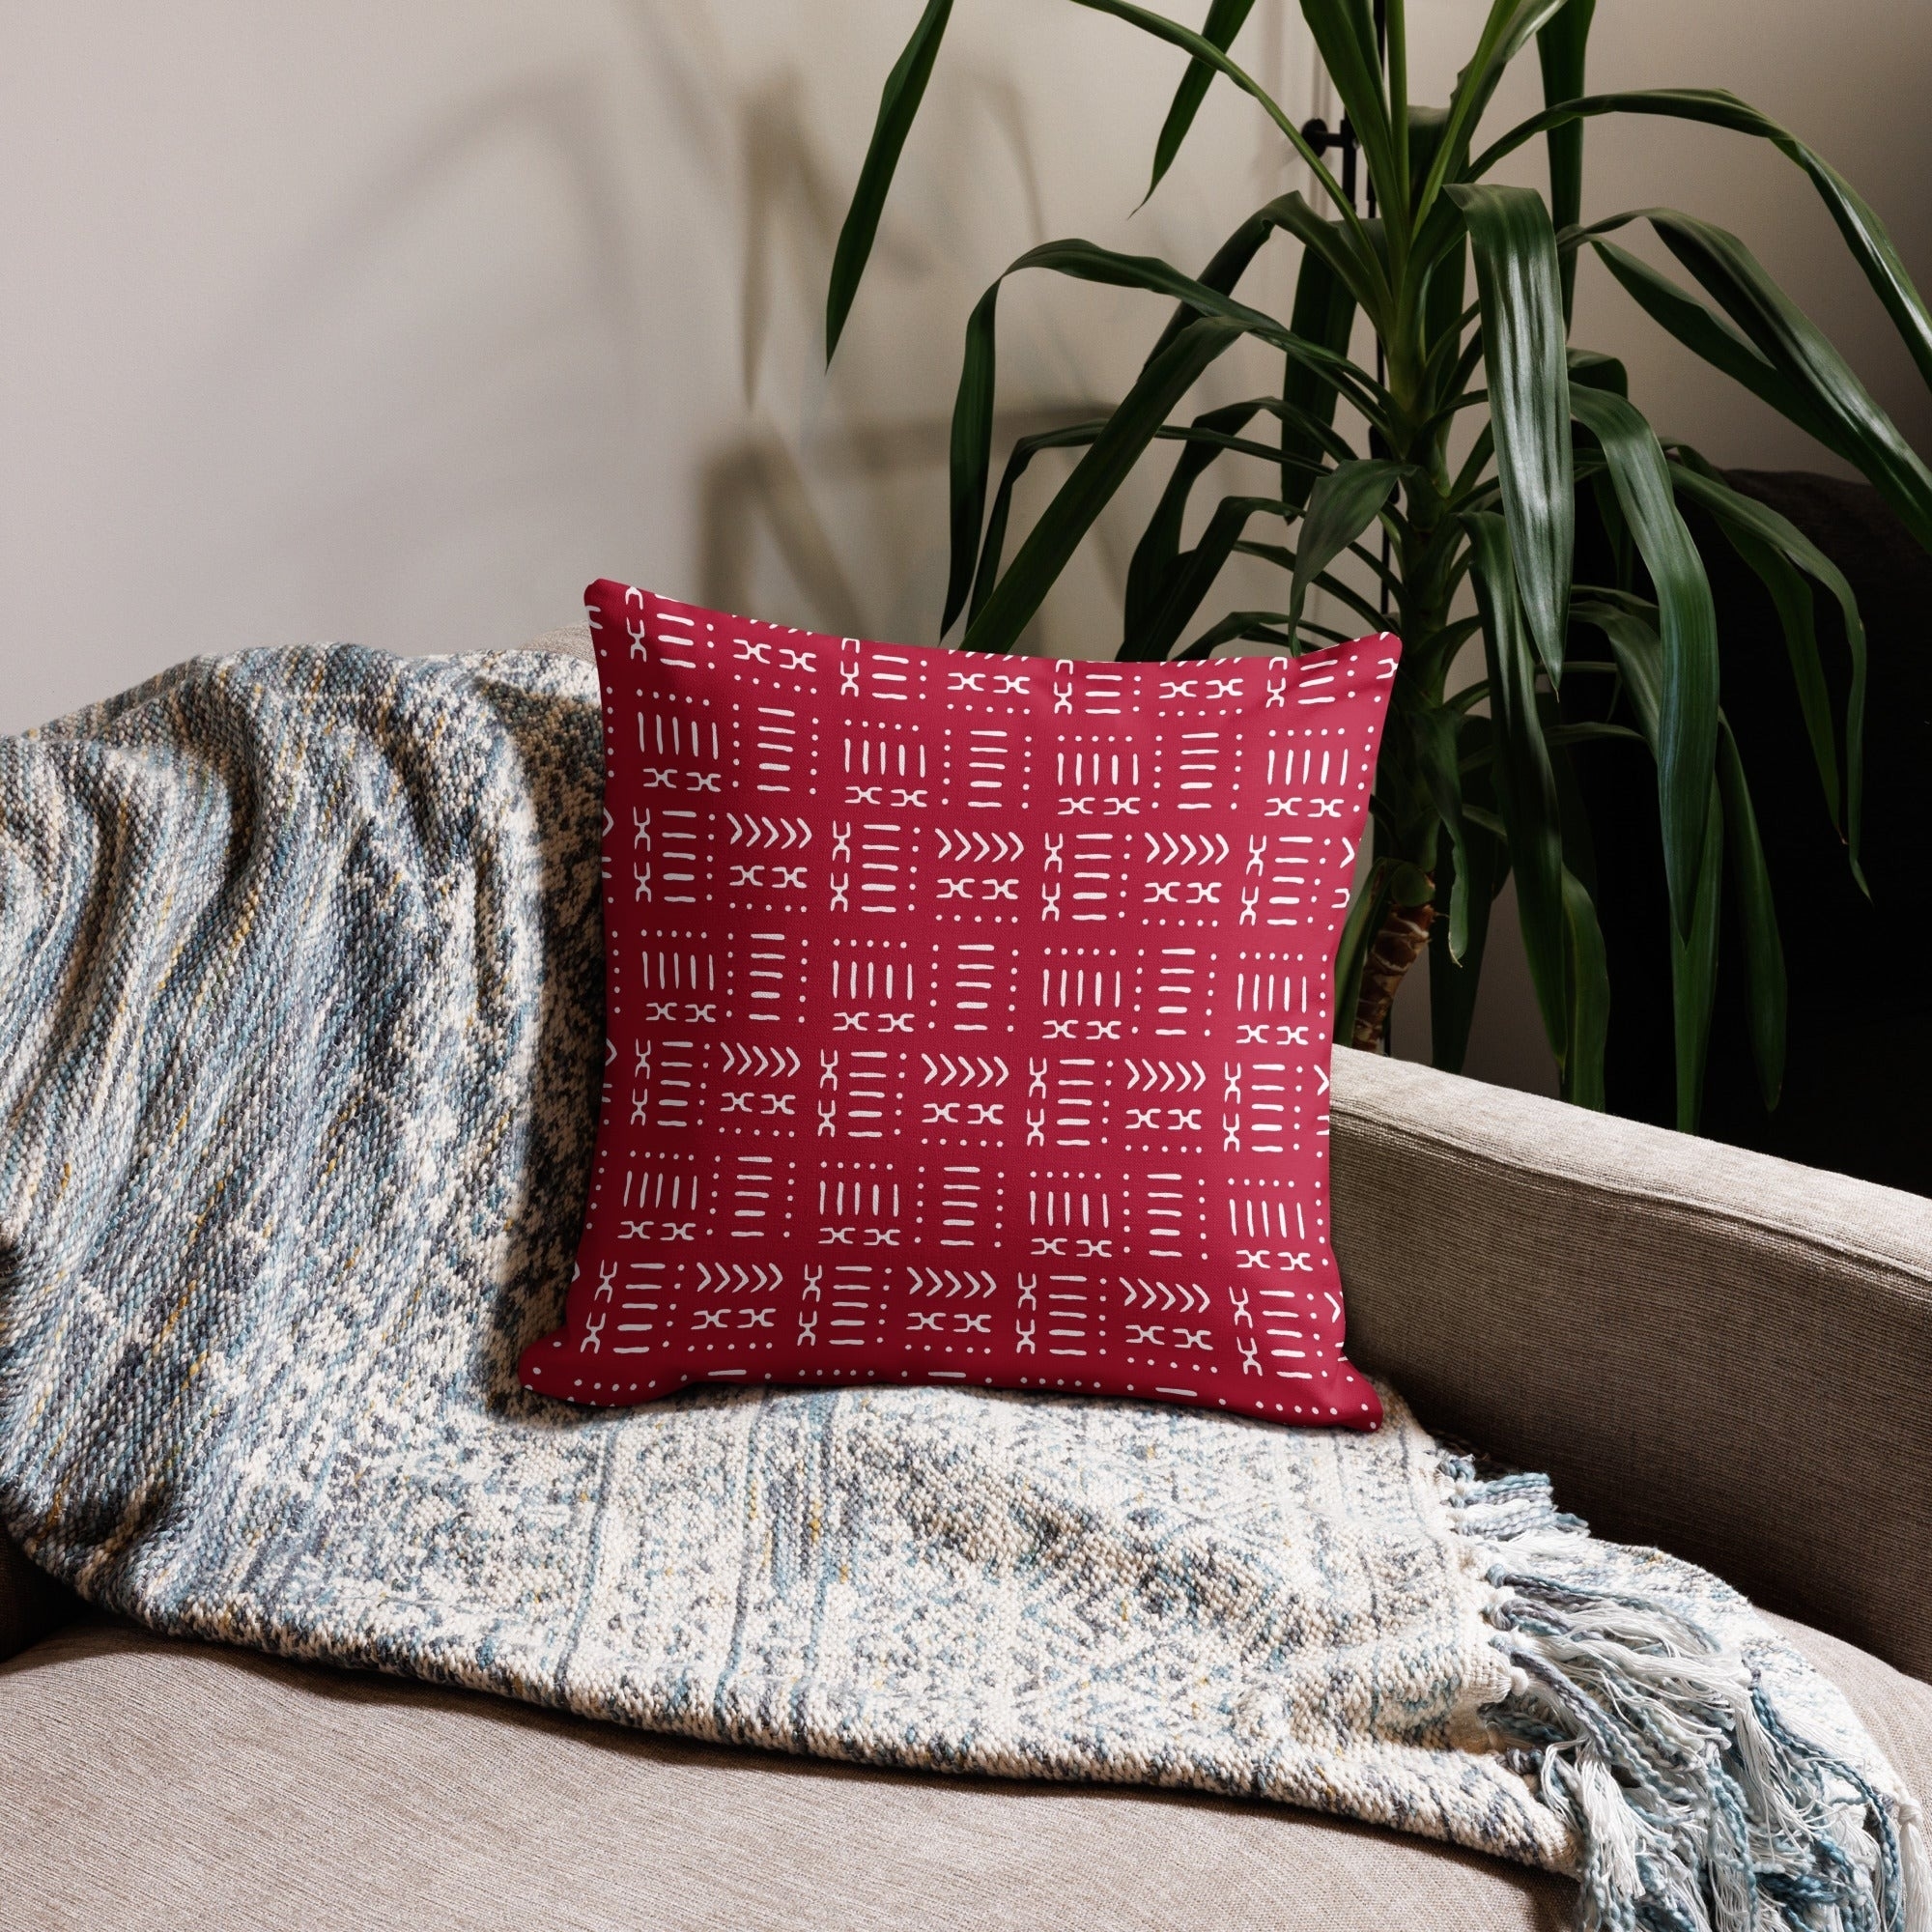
(1206, 442)
(1524, 350)
(1587, 985)
(1693, 953)
(1800, 351)
(1261, 627)
(1132, 426)
(898, 104)
(1225, 20)
(1343, 593)
(1712, 338)
(1444, 277)
(970, 449)
(1149, 568)
(1471, 873)
(972, 436)
(1766, 992)
(1797, 617)
(1687, 731)
(1449, 641)
(1225, 267)
(1392, 59)
(1345, 37)
(1154, 636)
(1557, 736)
(1343, 504)
(1525, 19)
(1328, 252)
(1469, 479)
(1208, 54)
(1562, 47)
(1187, 582)
(1734, 510)
(1325, 312)
(1525, 779)
(1640, 656)
(1454, 983)
(1504, 34)
(1086, 262)
(1364, 274)
(1075, 436)
(1590, 370)
(1694, 972)
(1871, 246)
(1434, 730)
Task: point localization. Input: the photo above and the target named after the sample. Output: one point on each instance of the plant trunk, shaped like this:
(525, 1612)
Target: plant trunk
(1398, 946)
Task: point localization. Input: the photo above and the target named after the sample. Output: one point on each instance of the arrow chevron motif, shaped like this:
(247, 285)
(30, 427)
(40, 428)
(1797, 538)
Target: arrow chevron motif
(1166, 1297)
(1185, 848)
(780, 834)
(770, 1062)
(950, 1069)
(950, 1283)
(1166, 1076)
(979, 845)
(746, 1277)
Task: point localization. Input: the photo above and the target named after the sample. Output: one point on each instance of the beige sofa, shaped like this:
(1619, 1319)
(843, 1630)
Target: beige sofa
(1709, 1350)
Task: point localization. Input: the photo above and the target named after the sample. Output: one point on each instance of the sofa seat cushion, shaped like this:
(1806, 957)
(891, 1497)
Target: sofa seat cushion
(156, 1785)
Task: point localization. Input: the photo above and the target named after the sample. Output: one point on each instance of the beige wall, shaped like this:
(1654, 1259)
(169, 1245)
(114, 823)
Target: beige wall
(399, 321)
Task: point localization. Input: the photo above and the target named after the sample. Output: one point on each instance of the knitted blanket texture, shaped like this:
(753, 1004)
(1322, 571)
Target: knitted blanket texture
(300, 1043)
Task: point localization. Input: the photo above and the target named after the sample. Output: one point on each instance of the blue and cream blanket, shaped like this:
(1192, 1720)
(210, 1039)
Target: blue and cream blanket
(301, 1041)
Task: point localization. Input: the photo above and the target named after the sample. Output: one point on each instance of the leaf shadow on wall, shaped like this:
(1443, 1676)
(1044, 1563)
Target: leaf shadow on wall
(755, 493)
(520, 377)
(765, 493)
(795, 201)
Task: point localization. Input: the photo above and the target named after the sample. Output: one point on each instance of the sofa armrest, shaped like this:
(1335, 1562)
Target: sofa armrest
(31, 1603)
(1708, 1350)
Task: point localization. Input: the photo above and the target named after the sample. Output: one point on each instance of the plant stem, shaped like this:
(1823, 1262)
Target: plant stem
(1407, 821)
(1398, 946)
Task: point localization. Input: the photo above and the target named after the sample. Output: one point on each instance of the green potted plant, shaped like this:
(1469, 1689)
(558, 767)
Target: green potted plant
(1476, 778)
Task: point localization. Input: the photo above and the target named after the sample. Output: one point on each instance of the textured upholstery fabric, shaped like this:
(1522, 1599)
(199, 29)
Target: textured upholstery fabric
(229, 1790)
(1706, 1348)
(223, 1789)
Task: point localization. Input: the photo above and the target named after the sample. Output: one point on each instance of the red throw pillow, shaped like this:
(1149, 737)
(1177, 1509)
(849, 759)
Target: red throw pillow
(968, 1018)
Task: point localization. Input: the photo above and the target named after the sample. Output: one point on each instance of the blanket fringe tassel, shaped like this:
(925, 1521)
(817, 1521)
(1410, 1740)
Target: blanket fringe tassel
(1696, 1805)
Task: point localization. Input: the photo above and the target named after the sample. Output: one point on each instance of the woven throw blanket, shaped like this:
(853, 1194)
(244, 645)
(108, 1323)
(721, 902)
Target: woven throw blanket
(300, 1038)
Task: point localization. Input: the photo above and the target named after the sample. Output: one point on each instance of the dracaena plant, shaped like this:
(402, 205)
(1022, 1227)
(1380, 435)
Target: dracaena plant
(1465, 285)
